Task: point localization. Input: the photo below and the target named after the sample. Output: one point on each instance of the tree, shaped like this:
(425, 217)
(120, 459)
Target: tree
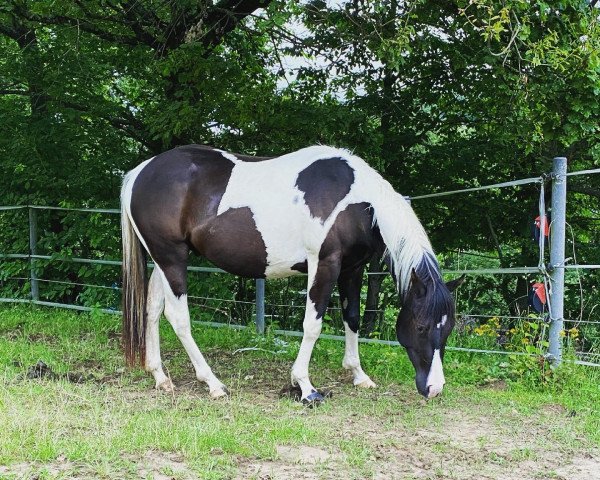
(464, 94)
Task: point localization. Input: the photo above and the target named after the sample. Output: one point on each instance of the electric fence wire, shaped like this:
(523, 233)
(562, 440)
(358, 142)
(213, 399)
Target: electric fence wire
(301, 306)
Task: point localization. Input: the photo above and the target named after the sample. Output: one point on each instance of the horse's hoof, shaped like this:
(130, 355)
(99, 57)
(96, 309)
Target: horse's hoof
(368, 383)
(219, 393)
(313, 398)
(166, 386)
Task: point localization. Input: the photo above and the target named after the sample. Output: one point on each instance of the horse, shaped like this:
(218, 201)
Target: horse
(320, 211)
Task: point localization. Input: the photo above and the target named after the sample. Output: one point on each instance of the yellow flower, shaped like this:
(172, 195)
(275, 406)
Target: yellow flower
(563, 333)
(574, 332)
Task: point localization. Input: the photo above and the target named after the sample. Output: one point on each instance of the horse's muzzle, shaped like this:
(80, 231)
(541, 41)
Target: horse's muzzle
(434, 390)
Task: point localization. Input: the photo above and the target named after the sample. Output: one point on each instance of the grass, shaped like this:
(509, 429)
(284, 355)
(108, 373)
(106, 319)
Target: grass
(115, 425)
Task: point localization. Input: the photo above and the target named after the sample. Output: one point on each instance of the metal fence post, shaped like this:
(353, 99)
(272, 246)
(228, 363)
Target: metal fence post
(35, 291)
(260, 306)
(557, 257)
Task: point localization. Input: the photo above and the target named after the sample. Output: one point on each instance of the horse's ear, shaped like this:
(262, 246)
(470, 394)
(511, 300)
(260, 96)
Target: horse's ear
(417, 284)
(454, 284)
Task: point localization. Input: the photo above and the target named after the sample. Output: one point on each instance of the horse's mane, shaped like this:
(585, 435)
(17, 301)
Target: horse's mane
(405, 239)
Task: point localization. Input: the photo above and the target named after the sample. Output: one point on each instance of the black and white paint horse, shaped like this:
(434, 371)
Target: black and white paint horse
(320, 211)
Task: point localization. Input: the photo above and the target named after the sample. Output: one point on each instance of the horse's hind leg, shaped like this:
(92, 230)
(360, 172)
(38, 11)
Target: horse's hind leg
(349, 285)
(155, 304)
(178, 315)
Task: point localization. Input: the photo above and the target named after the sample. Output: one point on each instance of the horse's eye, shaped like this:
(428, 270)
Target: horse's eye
(422, 329)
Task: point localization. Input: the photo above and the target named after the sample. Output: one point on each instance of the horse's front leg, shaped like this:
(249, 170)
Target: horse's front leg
(322, 275)
(349, 285)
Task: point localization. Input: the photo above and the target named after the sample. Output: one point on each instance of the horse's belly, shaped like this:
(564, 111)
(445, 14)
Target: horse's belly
(234, 242)
(285, 258)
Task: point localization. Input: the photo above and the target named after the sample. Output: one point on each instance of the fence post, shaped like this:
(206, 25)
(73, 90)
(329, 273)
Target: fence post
(260, 306)
(557, 257)
(35, 292)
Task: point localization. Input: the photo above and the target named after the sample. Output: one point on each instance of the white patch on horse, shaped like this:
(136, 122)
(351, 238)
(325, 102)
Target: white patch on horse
(155, 303)
(351, 359)
(312, 330)
(178, 315)
(268, 188)
(228, 156)
(435, 379)
(345, 304)
(444, 319)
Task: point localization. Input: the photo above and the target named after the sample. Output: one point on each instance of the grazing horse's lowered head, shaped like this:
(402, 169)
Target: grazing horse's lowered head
(426, 316)
(424, 324)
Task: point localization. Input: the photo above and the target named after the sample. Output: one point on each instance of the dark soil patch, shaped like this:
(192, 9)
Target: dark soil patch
(42, 371)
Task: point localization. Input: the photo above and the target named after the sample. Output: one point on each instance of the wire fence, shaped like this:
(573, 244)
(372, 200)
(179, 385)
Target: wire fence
(259, 305)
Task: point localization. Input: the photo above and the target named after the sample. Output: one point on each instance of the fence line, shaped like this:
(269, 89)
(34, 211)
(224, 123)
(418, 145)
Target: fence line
(512, 183)
(303, 306)
(477, 271)
(583, 172)
(555, 270)
(280, 305)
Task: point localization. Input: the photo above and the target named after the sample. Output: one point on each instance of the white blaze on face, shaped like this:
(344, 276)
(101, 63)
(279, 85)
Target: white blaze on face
(435, 379)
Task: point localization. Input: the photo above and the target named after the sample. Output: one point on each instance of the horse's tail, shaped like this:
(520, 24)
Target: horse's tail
(134, 282)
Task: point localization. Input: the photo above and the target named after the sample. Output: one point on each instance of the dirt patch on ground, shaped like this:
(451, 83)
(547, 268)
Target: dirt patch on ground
(292, 463)
(479, 448)
(580, 468)
(60, 468)
(163, 466)
(153, 465)
(42, 371)
(452, 447)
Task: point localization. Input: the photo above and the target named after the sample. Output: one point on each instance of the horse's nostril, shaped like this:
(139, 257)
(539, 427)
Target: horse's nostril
(433, 391)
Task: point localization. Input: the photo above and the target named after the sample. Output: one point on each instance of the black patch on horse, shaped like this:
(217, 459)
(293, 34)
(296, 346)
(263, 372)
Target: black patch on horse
(232, 242)
(170, 197)
(301, 267)
(351, 238)
(325, 183)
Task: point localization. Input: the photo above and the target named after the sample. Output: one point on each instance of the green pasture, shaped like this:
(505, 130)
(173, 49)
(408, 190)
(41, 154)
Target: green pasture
(93, 419)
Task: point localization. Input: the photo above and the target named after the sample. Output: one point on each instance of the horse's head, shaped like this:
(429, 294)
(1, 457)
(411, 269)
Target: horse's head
(423, 327)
